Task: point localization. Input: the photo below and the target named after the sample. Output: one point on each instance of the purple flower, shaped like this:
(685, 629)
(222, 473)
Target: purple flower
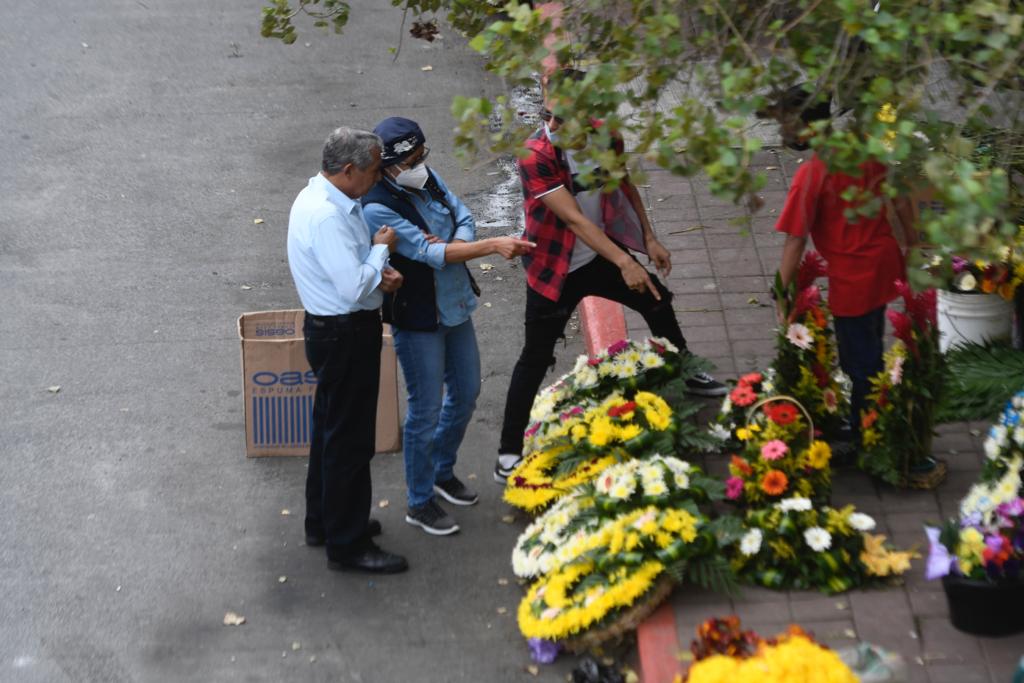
(733, 488)
(973, 519)
(543, 651)
(994, 542)
(959, 264)
(939, 559)
(1012, 509)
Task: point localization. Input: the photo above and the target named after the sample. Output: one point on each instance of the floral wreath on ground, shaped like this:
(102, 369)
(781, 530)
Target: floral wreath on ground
(794, 545)
(897, 422)
(554, 537)
(626, 366)
(778, 457)
(806, 355)
(614, 567)
(725, 654)
(586, 442)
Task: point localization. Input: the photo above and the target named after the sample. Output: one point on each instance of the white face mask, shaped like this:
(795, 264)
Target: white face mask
(415, 177)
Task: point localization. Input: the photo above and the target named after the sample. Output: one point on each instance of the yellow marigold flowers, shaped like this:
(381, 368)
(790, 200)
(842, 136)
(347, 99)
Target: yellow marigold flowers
(794, 660)
(656, 411)
(534, 484)
(680, 523)
(577, 611)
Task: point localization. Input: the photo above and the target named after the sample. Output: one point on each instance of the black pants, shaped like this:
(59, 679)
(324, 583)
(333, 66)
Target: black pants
(545, 323)
(344, 352)
(861, 346)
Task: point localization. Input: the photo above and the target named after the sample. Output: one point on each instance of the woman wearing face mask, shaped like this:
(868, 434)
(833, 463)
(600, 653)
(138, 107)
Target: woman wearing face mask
(430, 319)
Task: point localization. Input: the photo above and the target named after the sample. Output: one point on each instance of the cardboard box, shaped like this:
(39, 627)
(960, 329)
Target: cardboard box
(279, 386)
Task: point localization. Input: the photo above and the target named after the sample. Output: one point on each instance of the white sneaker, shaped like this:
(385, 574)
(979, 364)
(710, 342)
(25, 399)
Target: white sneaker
(506, 464)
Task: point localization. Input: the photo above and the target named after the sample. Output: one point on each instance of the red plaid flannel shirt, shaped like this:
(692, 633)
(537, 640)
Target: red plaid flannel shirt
(543, 170)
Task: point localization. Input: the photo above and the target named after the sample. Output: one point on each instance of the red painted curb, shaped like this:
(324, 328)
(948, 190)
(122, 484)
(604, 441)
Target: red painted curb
(657, 643)
(603, 323)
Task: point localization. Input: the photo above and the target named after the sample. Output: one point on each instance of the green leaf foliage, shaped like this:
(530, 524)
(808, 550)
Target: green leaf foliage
(932, 89)
(979, 379)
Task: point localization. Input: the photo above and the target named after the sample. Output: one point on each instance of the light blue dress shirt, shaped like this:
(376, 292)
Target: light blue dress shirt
(455, 298)
(335, 266)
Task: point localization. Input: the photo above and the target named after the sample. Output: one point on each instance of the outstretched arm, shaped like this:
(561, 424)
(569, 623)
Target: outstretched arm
(458, 251)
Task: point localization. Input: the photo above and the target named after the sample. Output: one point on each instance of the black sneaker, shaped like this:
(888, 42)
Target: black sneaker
(432, 519)
(455, 492)
(505, 466)
(703, 384)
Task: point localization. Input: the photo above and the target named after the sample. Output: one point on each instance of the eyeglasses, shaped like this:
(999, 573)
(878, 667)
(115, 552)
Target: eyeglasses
(419, 160)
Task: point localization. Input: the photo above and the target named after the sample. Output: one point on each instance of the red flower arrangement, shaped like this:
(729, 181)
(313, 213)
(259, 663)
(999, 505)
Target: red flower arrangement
(899, 416)
(806, 351)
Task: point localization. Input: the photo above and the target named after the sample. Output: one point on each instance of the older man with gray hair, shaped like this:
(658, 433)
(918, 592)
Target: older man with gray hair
(341, 274)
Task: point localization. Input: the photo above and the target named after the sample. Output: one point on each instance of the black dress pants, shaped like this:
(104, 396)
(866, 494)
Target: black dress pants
(545, 323)
(344, 353)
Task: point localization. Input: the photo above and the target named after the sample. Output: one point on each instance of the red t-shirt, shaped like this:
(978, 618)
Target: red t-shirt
(864, 259)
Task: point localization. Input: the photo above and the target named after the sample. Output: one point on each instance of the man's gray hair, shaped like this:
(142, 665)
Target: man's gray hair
(349, 146)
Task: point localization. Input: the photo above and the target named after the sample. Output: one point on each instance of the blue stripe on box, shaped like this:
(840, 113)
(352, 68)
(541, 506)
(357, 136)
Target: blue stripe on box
(282, 420)
(292, 415)
(262, 422)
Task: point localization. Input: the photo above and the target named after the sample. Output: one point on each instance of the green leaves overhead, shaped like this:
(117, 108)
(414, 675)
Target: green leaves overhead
(916, 84)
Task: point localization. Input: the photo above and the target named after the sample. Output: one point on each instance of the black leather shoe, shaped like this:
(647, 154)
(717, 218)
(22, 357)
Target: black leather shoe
(373, 528)
(370, 558)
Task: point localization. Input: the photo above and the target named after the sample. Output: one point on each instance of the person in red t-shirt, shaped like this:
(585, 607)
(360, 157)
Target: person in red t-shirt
(864, 258)
(575, 258)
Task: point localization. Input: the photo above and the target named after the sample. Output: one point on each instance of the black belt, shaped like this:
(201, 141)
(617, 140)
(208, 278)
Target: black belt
(332, 320)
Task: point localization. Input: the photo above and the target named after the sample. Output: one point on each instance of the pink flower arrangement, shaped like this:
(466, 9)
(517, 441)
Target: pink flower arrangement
(774, 449)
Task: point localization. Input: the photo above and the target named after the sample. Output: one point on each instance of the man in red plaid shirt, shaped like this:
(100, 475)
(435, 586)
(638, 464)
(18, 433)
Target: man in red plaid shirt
(574, 258)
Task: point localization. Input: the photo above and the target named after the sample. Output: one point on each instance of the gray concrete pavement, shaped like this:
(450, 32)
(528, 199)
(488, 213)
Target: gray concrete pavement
(140, 139)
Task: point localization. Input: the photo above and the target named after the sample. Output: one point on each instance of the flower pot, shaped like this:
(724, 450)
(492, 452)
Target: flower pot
(972, 317)
(984, 608)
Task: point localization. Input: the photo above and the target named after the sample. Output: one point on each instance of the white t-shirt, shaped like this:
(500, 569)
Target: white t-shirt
(590, 205)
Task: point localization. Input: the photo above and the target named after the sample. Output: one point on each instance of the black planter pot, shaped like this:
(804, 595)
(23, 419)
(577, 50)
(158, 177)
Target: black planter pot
(983, 608)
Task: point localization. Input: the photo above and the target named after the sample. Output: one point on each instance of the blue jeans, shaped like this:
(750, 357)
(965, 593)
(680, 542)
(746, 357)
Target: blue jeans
(442, 379)
(860, 342)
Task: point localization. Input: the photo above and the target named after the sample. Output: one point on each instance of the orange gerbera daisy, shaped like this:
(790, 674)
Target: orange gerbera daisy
(774, 483)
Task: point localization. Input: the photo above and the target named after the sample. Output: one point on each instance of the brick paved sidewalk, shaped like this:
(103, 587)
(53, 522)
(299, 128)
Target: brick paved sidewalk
(720, 277)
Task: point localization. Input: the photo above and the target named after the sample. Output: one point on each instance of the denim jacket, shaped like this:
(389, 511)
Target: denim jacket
(454, 295)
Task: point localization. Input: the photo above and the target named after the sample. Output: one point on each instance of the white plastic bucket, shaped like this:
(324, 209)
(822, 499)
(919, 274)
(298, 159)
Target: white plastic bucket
(977, 318)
